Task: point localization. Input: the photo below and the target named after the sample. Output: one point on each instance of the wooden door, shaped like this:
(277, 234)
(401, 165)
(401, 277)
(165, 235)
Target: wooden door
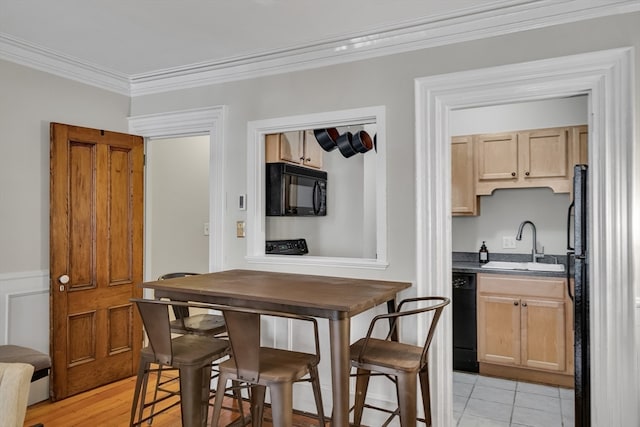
(499, 329)
(543, 334)
(96, 247)
(463, 191)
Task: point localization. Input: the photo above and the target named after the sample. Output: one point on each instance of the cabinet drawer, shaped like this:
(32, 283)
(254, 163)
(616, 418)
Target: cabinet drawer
(524, 286)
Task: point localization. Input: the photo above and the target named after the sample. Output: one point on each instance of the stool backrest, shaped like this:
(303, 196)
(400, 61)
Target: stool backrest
(155, 317)
(243, 329)
(180, 311)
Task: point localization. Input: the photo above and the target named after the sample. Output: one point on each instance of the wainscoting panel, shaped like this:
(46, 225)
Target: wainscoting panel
(24, 317)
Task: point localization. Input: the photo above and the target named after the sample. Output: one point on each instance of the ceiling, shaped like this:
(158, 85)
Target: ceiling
(142, 36)
(151, 39)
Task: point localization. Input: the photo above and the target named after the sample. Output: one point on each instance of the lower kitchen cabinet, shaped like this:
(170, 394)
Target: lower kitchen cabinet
(525, 328)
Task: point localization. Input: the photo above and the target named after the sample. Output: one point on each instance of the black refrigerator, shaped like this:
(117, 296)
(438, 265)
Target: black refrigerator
(577, 255)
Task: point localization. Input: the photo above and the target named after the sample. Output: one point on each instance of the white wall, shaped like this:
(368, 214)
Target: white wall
(29, 101)
(177, 202)
(502, 212)
(386, 81)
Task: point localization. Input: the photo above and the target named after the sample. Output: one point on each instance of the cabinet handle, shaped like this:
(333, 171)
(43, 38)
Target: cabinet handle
(308, 159)
(524, 304)
(302, 159)
(513, 174)
(527, 173)
(515, 303)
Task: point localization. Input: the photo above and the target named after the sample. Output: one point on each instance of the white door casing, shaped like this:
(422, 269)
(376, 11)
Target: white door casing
(607, 78)
(199, 121)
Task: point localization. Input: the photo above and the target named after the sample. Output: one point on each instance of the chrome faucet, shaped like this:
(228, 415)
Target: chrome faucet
(534, 252)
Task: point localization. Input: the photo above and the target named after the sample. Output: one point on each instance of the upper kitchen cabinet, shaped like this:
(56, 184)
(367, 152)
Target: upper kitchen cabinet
(497, 157)
(579, 141)
(535, 158)
(297, 147)
(464, 201)
(526, 159)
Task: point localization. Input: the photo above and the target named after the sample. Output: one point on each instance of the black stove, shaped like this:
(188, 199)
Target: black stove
(286, 247)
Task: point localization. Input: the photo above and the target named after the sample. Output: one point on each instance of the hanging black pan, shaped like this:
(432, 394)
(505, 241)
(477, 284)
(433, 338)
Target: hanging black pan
(362, 142)
(326, 138)
(344, 145)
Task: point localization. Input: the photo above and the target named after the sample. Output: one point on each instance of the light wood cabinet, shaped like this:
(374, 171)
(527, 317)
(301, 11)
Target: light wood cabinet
(297, 147)
(534, 158)
(481, 164)
(579, 141)
(525, 322)
(464, 201)
(497, 158)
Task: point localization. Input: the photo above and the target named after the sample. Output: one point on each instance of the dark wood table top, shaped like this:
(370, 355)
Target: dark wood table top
(321, 296)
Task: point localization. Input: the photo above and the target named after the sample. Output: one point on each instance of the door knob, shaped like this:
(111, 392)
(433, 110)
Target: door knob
(64, 279)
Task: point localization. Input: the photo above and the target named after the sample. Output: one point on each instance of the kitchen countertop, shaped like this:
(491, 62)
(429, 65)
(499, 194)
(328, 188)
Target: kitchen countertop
(467, 262)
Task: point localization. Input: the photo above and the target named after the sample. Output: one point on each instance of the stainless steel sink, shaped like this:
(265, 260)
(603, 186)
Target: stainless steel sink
(530, 266)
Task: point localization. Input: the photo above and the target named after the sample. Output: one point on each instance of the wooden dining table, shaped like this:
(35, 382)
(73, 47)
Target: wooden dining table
(337, 299)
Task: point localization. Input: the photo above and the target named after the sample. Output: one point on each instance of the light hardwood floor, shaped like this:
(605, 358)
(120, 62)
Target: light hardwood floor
(110, 406)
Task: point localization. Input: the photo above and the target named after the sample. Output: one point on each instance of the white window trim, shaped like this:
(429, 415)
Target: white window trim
(256, 130)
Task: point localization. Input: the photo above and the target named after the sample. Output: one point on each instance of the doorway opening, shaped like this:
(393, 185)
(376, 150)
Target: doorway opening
(177, 205)
(606, 77)
(176, 124)
(496, 359)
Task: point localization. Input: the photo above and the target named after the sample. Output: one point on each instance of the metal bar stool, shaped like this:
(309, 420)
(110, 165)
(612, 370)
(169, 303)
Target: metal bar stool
(191, 354)
(401, 363)
(267, 367)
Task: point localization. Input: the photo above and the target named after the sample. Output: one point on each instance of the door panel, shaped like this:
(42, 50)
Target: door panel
(96, 224)
(543, 334)
(499, 329)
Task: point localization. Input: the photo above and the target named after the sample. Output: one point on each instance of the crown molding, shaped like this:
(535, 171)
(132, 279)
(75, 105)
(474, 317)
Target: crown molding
(492, 19)
(49, 61)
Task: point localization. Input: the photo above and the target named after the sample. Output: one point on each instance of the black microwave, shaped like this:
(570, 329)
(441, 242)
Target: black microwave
(295, 191)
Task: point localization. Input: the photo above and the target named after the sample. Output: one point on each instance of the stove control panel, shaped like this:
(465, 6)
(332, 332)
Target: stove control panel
(286, 247)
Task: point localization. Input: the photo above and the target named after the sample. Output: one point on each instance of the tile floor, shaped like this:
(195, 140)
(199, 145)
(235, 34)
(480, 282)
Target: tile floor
(480, 401)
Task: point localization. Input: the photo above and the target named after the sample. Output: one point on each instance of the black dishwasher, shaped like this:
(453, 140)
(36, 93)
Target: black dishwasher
(465, 331)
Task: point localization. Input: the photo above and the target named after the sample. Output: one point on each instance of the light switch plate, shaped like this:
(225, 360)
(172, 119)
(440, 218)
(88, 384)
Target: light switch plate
(242, 202)
(240, 231)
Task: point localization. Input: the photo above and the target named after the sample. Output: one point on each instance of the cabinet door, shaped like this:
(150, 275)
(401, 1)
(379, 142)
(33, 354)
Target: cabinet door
(544, 154)
(463, 190)
(283, 147)
(312, 151)
(543, 334)
(291, 147)
(579, 142)
(497, 157)
(499, 329)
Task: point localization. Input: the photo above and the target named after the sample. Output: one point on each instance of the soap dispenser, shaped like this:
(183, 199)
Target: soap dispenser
(483, 254)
